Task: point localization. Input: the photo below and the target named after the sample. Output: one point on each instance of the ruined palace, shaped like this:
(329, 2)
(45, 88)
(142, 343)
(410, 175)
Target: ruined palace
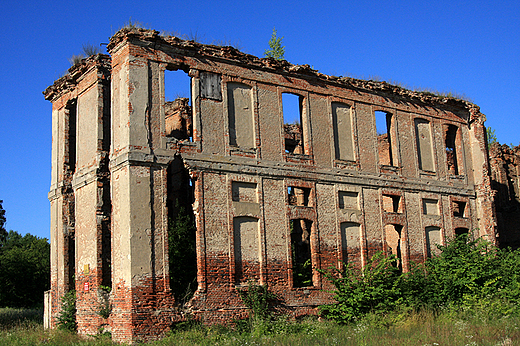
(268, 171)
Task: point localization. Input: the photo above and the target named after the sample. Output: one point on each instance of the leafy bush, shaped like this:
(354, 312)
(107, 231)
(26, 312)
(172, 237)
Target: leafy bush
(375, 288)
(67, 315)
(468, 275)
(258, 300)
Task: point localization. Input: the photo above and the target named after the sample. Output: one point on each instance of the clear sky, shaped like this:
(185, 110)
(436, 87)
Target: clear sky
(466, 47)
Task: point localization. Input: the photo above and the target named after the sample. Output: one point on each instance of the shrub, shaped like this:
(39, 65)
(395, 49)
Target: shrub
(375, 288)
(67, 315)
(468, 274)
(258, 300)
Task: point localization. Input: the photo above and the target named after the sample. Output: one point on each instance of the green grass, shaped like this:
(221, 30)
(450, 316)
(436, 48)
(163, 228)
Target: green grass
(399, 328)
(19, 327)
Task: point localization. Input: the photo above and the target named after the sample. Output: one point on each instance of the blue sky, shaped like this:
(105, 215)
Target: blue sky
(466, 47)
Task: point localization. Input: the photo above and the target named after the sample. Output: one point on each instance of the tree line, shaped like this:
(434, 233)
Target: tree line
(24, 267)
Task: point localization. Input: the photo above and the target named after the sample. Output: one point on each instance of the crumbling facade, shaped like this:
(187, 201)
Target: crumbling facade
(505, 180)
(270, 199)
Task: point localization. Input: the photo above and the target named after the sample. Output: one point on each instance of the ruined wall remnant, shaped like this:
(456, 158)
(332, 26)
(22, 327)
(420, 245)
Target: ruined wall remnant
(257, 193)
(505, 179)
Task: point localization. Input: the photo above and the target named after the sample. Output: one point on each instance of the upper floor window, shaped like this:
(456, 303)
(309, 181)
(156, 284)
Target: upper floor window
(423, 139)
(240, 113)
(386, 138)
(343, 138)
(453, 145)
(293, 123)
(178, 117)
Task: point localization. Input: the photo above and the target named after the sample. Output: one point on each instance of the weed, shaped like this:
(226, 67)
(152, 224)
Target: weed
(258, 300)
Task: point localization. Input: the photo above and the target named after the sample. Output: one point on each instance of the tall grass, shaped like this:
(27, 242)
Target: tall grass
(405, 328)
(396, 328)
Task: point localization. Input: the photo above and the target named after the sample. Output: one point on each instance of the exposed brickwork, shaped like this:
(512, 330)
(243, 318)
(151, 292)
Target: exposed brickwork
(505, 168)
(266, 196)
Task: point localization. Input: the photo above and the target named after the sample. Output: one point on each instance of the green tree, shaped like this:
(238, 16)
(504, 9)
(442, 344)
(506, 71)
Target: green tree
(24, 270)
(491, 137)
(276, 50)
(3, 232)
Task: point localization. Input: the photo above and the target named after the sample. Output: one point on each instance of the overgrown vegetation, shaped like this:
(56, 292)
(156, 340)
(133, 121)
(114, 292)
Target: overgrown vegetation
(182, 253)
(12, 317)
(258, 300)
(398, 328)
(276, 50)
(468, 275)
(491, 137)
(86, 51)
(67, 315)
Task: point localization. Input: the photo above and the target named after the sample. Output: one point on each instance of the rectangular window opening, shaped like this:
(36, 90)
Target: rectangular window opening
(240, 116)
(433, 238)
(72, 116)
(430, 206)
(423, 139)
(178, 111)
(393, 243)
(292, 109)
(451, 149)
(247, 249)
(459, 209)
(244, 192)
(384, 138)
(298, 196)
(460, 231)
(182, 230)
(301, 252)
(392, 204)
(348, 200)
(343, 137)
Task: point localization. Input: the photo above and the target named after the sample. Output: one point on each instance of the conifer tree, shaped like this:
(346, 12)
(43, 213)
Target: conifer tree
(276, 50)
(3, 232)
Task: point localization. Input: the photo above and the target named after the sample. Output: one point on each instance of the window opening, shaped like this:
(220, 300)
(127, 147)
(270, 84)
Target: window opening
(430, 206)
(459, 209)
(384, 138)
(181, 232)
(240, 116)
(178, 114)
(343, 138)
(301, 252)
(244, 192)
(459, 231)
(351, 242)
(348, 200)
(247, 249)
(433, 238)
(292, 108)
(451, 150)
(71, 112)
(69, 198)
(298, 196)
(392, 204)
(424, 145)
(393, 243)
